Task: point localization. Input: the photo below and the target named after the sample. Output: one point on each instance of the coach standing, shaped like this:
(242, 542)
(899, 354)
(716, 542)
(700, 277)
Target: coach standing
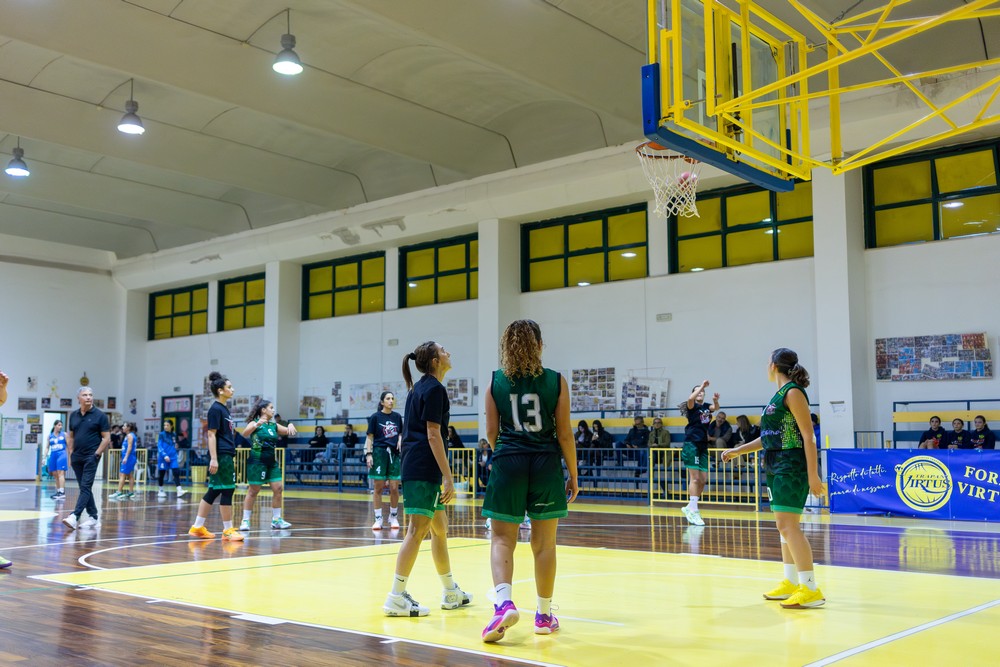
(89, 435)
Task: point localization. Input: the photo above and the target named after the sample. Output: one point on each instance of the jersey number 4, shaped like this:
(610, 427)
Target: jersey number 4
(532, 415)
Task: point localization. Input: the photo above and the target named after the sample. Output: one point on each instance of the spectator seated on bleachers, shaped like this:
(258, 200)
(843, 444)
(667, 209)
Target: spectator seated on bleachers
(484, 462)
(982, 437)
(745, 431)
(635, 443)
(720, 433)
(600, 439)
(931, 438)
(583, 439)
(958, 438)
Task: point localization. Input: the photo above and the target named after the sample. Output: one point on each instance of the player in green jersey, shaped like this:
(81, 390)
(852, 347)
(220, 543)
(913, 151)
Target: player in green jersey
(786, 436)
(262, 466)
(528, 426)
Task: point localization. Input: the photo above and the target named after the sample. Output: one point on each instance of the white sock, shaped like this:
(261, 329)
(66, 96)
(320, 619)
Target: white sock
(199, 521)
(392, 511)
(545, 606)
(179, 489)
(275, 513)
(226, 525)
(378, 514)
(61, 490)
(791, 573)
(808, 579)
(503, 593)
(447, 581)
(247, 514)
(693, 504)
(399, 584)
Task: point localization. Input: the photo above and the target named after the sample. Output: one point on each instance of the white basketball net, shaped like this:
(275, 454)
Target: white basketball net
(673, 177)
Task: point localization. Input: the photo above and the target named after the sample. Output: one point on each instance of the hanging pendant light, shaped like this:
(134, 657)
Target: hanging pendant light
(17, 167)
(288, 62)
(130, 122)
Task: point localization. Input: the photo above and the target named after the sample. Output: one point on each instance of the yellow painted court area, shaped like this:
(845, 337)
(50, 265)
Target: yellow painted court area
(23, 515)
(651, 608)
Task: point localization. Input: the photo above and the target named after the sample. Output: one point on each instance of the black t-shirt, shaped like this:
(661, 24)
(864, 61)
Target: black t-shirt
(698, 418)
(87, 431)
(385, 428)
(933, 435)
(426, 402)
(961, 440)
(221, 422)
(984, 439)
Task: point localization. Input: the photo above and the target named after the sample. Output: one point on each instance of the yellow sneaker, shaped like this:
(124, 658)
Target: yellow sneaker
(232, 535)
(202, 532)
(784, 591)
(804, 598)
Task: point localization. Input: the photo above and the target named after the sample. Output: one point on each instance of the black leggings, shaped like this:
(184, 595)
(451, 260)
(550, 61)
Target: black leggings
(162, 473)
(212, 494)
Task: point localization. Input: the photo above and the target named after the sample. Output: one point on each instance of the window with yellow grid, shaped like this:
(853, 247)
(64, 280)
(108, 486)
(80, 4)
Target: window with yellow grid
(346, 286)
(439, 271)
(743, 225)
(930, 196)
(581, 250)
(241, 302)
(178, 312)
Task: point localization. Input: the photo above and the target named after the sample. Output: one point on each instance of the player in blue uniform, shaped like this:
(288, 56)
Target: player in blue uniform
(57, 461)
(126, 470)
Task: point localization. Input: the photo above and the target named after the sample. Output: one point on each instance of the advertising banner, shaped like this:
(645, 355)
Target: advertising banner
(928, 483)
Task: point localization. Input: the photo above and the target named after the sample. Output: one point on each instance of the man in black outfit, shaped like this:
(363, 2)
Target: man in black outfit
(89, 434)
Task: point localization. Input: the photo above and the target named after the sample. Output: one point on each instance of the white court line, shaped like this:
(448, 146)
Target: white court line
(20, 489)
(265, 620)
(829, 660)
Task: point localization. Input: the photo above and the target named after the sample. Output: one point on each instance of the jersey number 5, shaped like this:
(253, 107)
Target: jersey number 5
(532, 416)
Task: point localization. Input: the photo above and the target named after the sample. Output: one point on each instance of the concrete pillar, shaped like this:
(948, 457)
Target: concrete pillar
(657, 246)
(392, 278)
(282, 312)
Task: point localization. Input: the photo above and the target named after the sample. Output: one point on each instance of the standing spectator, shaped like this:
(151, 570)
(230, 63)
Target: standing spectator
(89, 435)
(350, 439)
(4, 563)
(584, 442)
(637, 440)
(790, 461)
(720, 433)
(695, 452)
(126, 469)
(57, 461)
(166, 459)
(745, 431)
(116, 436)
(982, 437)
(958, 438)
(931, 438)
(383, 442)
(221, 467)
(485, 462)
(427, 481)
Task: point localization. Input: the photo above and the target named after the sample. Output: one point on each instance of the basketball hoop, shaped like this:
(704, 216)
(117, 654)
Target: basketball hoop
(673, 177)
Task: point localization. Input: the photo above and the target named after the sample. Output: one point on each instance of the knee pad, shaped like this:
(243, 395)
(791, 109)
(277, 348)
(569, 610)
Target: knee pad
(227, 497)
(212, 494)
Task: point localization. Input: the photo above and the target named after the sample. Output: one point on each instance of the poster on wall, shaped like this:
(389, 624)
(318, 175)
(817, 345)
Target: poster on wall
(150, 432)
(644, 393)
(939, 357)
(312, 407)
(10, 433)
(365, 396)
(593, 389)
(26, 403)
(459, 392)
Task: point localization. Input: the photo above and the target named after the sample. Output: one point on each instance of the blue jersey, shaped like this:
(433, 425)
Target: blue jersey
(57, 443)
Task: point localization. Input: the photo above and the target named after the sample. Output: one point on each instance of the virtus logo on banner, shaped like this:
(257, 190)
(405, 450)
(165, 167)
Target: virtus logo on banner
(923, 483)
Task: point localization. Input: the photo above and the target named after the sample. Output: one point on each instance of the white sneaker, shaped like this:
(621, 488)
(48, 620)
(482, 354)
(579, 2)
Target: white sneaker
(89, 522)
(693, 516)
(394, 522)
(115, 496)
(280, 524)
(403, 605)
(71, 522)
(377, 525)
(161, 494)
(455, 598)
(244, 525)
(181, 492)
(489, 524)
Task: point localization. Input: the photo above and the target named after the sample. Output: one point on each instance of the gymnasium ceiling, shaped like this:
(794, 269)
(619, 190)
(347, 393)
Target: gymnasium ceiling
(397, 96)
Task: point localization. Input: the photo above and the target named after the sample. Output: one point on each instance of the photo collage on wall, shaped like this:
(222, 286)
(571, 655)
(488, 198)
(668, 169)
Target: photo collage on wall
(643, 393)
(592, 389)
(460, 392)
(941, 357)
(365, 396)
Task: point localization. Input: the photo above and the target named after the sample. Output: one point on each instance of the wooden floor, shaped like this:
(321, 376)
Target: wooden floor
(898, 590)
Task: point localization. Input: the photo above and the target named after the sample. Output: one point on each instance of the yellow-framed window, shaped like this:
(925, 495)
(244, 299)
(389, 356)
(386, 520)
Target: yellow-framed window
(439, 271)
(345, 286)
(595, 247)
(743, 225)
(178, 312)
(934, 195)
(241, 302)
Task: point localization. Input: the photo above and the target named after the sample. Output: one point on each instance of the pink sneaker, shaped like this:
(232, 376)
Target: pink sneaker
(545, 624)
(505, 616)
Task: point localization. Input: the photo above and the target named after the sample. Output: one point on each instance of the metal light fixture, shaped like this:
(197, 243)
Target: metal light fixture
(130, 122)
(288, 62)
(17, 167)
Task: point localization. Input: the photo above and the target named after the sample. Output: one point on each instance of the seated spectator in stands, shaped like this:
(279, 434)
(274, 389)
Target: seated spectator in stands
(931, 438)
(484, 462)
(282, 439)
(815, 420)
(454, 439)
(350, 439)
(659, 436)
(583, 444)
(320, 441)
(720, 433)
(600, 439)
(745, 431)
(982, 437)
(958, 438)
(636, 440)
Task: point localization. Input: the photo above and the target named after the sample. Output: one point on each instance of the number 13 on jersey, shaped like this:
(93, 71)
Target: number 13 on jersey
(531, 418)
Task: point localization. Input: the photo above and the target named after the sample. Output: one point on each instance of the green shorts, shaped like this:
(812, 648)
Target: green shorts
(695, 456)
(225, 476)
(385, 463)
(531, 484)
(423, 498)
(787, 479)
(262, 468)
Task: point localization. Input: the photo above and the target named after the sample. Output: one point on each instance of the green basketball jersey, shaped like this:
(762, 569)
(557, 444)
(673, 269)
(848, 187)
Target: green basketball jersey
(265, 437)
(527, 407)
(778, 429)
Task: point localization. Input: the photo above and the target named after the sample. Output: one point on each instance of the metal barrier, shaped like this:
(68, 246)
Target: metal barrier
(463, 469)
(735, 482)
(242, 458)
(114, 463)
(869, 440)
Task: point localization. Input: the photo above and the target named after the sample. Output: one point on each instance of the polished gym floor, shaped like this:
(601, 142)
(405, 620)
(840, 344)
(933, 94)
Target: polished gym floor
(634, 584)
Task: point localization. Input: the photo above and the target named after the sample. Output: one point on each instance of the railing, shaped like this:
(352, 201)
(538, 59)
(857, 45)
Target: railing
(464, 469)
(735, 482)
(869, 440)
(114, 463)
